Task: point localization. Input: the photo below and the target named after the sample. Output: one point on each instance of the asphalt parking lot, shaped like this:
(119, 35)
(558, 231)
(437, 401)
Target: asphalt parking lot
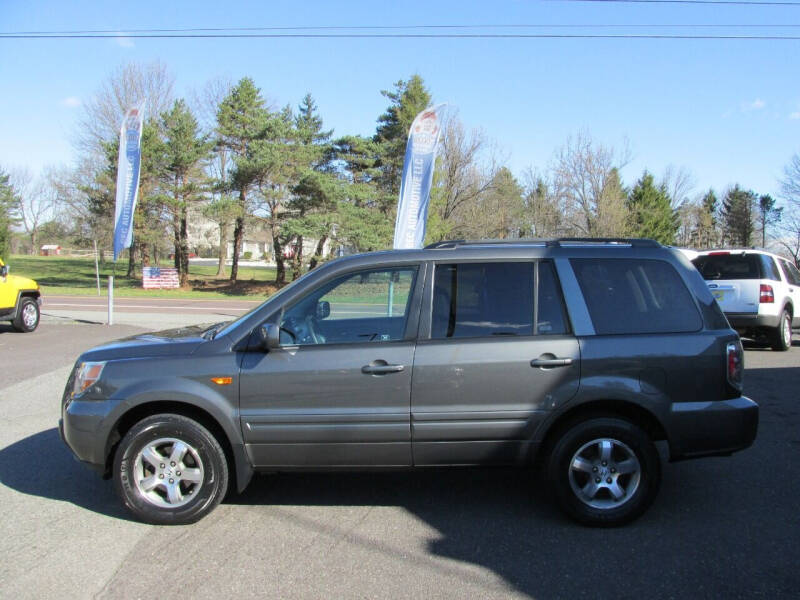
(720, 527)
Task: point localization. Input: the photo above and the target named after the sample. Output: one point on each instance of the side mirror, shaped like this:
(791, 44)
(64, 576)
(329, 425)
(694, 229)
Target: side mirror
(4, 271)
(270, 336)
(323, 309)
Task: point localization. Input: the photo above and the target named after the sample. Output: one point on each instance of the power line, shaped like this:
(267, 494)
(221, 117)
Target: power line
(118, 32)
(716, 2)
(405, 35)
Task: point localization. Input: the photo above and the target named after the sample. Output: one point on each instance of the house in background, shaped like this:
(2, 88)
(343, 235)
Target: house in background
(50, 250)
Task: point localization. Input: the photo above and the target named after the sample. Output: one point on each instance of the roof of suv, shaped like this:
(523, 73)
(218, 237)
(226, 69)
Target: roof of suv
(498, 249)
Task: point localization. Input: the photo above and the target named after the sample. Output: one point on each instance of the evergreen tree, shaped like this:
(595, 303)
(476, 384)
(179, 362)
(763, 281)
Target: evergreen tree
(408, 99)
(241, 121)
(767, 215)
(362, 225)
(650, 211)
(610, 218)
(185, 151)
(705, 234)
(738, 209)
(8, 203)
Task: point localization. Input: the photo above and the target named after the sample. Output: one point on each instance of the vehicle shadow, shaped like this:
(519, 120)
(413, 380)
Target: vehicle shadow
(40, 465)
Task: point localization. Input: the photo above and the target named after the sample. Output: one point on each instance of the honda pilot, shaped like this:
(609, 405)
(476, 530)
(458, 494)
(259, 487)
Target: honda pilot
(577, 356)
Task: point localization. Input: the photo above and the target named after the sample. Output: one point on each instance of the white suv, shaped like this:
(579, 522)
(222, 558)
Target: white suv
(758, 291)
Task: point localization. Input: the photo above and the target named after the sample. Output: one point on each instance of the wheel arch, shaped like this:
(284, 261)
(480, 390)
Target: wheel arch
(234, 453)
(625, 409)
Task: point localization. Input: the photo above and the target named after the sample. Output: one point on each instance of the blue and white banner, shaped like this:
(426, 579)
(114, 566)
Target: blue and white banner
(415, 187)
(130, 157)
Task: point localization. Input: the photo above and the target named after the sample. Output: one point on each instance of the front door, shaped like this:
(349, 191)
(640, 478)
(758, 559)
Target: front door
(337, 392)
(495, 362)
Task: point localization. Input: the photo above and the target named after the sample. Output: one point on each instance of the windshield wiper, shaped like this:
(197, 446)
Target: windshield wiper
(212, 331)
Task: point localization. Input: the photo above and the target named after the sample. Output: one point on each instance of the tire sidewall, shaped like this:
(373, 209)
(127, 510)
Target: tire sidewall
(583, 432)
(781, 343)
(215, 479)
(19, 322)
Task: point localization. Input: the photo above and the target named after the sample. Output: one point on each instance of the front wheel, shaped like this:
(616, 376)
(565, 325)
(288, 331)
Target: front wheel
(604, 471)
(27, 318)
(170, 470)
(782, 338)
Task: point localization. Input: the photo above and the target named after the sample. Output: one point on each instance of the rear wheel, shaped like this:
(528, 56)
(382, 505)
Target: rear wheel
(782, 337)
(170, 470)
(27, 318)
(604, 471)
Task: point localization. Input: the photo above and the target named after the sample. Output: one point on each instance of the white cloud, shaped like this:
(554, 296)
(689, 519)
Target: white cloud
(71, 102)
(123, 41)
(756, 104)
(795, 115)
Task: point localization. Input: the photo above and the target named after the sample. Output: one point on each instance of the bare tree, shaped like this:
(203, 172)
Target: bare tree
(790, 183)
(35, 203)
(679, 183)
(464, 176)
(542, 216)
(122, 89)
(581, 175)
(790, 191)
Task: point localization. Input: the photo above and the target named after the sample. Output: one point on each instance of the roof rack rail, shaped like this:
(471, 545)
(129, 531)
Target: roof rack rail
(553, 242)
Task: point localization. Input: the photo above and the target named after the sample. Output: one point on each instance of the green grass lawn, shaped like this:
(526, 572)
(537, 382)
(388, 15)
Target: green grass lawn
(76, 277)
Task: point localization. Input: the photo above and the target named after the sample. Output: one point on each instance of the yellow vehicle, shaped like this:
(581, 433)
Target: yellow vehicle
(19, 300)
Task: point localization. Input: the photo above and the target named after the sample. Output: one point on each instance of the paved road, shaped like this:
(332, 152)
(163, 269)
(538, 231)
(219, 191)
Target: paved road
(720, 528)
(152, 313)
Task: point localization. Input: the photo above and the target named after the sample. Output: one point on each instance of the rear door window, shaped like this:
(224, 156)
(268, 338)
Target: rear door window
(629, 296)
(496, 299)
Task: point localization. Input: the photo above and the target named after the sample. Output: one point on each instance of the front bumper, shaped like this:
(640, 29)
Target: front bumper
(84, 428)
(715, 428)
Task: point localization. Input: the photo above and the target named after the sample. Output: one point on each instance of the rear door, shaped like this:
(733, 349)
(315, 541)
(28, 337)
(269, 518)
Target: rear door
(495, 354)
(733, 278)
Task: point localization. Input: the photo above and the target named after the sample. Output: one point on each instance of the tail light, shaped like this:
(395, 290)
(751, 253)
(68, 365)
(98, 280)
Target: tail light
(765, 294)
(735, 359)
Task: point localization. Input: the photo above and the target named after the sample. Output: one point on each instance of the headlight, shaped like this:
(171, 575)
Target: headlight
(86, 375)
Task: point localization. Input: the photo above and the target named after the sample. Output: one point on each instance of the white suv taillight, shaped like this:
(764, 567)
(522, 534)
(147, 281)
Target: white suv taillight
(735, 359)
(765, 294)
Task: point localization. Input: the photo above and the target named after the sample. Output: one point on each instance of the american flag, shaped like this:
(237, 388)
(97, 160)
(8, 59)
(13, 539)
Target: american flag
(159, 278)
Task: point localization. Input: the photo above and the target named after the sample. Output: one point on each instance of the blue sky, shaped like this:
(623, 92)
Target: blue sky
(728, 110)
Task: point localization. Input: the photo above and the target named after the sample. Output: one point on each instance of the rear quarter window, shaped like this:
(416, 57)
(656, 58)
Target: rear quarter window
(630, 296)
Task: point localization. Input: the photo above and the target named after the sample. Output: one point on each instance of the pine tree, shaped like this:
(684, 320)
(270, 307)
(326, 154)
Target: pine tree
(767, 215)
(650, 211)
(8, 203)
(408, 99)
(185, 151)
(241, 121)
(738, 209)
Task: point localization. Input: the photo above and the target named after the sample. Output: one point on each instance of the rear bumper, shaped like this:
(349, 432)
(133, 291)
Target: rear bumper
(715, 428)
(751, 320)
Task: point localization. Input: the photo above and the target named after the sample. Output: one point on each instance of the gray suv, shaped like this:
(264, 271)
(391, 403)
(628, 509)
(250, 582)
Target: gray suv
(577, 355)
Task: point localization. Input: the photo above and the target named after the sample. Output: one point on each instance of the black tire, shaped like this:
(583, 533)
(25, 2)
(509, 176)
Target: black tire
(27, 318)
(782, 336)
(204, 458)
(580, 440)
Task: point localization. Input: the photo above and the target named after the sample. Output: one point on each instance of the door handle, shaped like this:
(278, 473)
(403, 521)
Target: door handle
(551, 362)
(381, 369)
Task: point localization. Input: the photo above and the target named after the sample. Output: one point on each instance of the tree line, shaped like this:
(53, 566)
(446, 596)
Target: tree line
(228, 156)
